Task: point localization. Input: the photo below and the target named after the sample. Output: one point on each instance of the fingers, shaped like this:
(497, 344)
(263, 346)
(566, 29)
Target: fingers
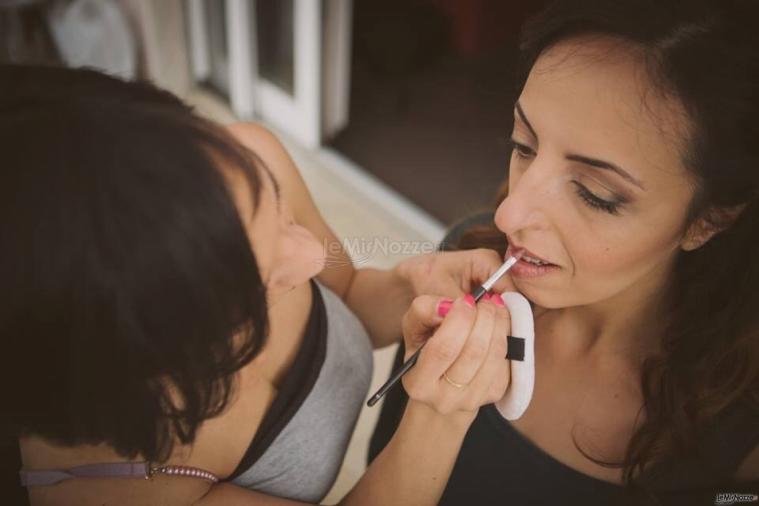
(493, 378)
(421, 320)
(484, 262)
(476, 348)
(446, 343)
(468, 345)
(449, 287)
(505, 284)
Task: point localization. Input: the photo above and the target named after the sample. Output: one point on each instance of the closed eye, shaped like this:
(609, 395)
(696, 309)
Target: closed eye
(590, 199)
(595, 202)
(521, 150)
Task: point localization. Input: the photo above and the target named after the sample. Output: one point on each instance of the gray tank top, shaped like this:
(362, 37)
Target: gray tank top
(299, 447)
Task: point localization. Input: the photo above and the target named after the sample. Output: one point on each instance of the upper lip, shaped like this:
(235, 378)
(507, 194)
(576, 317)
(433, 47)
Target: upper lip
(529, 253)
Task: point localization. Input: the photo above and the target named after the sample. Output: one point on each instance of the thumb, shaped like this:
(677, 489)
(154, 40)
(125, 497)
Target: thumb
(484, 263)
(421, 320)
(504, 284)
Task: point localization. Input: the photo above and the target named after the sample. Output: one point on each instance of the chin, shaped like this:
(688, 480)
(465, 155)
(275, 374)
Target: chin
(539, 297)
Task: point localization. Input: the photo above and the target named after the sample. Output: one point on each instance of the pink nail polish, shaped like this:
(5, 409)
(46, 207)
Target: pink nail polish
(444, 306)
(487, 296)
(497, 300)
(469, 300)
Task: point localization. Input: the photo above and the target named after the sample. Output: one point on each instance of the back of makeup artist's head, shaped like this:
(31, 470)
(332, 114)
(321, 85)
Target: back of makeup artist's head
(697, 62)
(125, 266)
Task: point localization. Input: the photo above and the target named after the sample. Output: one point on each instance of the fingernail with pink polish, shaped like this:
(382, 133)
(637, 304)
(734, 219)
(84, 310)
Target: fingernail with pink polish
(497, 300)
(469, 300)
(444, 306)
(487, 296)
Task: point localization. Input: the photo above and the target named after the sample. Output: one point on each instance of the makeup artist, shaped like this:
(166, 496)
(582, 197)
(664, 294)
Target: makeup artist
(167, 314)
(633, 186)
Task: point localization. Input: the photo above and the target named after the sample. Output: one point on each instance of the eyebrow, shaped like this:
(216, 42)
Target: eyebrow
(607, 166)
(593, 162)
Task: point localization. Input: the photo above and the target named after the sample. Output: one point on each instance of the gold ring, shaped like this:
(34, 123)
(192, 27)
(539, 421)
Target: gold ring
(451, 382)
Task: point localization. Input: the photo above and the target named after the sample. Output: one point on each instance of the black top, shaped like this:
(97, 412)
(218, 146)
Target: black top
(499, 465)
(295, 387)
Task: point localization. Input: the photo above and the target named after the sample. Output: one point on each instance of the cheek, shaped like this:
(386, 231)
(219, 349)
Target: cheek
(632, 242)
(607, 263)
(300, 257)
(603, 259)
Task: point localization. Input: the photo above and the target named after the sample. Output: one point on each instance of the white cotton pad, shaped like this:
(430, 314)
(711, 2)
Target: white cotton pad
(518, 395)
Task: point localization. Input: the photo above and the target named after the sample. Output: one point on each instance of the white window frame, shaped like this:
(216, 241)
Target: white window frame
(299, 115)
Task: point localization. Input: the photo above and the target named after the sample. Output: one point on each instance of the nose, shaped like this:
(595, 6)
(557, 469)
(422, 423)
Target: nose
(527, 203)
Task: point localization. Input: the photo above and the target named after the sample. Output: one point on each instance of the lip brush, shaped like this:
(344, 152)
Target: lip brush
(477, 294)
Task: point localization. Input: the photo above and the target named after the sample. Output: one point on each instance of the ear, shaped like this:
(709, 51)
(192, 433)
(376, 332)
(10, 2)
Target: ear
(713, 221)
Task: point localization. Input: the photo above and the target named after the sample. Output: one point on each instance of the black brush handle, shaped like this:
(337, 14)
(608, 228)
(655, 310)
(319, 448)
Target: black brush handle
(397, 375)
(408, 364)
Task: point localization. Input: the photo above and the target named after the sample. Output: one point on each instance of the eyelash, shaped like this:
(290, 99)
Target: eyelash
(521, 150)
(590, 199)
(594, 202)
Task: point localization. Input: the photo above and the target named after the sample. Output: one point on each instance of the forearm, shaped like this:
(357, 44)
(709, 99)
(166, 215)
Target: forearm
(380, 298)
(415, 466)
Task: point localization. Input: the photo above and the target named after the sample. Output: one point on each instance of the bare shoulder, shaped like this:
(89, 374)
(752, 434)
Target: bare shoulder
(255, 136)
(269, 148)
(749, 468)
(273, 153)
(296, 196)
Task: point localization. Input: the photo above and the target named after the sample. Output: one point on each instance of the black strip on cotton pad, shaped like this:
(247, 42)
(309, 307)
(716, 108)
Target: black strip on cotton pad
(516, 348)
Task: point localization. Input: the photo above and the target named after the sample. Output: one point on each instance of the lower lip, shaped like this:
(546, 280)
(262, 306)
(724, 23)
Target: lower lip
(524, 269)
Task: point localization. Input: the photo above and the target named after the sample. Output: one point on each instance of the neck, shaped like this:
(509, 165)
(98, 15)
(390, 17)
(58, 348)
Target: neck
(624, 328)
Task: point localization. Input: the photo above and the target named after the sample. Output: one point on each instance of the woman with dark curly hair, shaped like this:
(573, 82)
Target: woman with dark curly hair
(634, 186)
(166, 313)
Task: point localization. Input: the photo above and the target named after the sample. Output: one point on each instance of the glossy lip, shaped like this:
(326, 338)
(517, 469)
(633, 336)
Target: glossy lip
(513, 246)
(523, 269)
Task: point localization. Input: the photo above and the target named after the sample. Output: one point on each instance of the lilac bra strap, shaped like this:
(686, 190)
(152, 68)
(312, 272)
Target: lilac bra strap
(110, 470)
(33, 478)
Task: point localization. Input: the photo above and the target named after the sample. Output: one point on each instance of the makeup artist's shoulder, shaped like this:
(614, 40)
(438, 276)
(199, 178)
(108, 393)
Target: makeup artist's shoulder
(264, 143)
(250, 133)
(749, 468)
(272, 152)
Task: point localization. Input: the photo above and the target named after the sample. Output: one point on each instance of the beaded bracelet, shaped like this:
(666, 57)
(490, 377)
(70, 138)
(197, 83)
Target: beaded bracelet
(169, 470)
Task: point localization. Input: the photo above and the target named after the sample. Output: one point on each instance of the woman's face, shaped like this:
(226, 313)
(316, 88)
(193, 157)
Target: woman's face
(287, 253)
(597, 186)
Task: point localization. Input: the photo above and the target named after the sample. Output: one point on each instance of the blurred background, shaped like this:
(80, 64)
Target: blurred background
(417, 93)
(397, 112)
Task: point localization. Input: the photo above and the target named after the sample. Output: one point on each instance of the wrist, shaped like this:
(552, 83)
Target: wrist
(454, 422)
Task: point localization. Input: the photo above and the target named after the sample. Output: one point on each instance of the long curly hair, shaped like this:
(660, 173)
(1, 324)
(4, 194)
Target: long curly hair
(705, 54)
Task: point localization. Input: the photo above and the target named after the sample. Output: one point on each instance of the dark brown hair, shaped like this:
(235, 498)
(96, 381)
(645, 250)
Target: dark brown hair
(126, 268)
(704, 53)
